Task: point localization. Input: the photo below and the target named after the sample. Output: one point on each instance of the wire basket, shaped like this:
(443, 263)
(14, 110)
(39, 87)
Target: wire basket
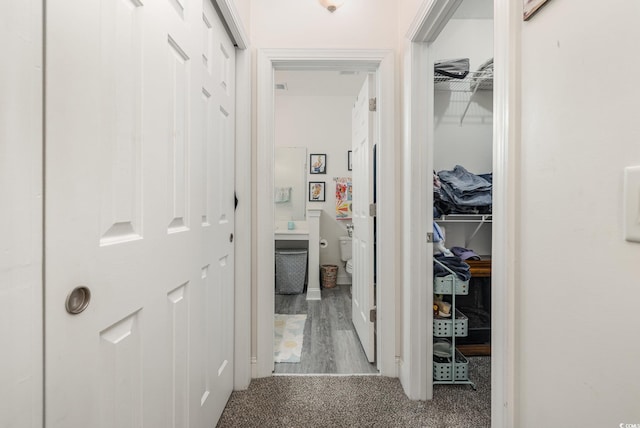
(445, 285)
(442, 370)
(442, 326)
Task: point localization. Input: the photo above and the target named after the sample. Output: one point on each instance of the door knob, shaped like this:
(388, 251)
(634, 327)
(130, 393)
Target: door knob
(78, 300)
(231, 238)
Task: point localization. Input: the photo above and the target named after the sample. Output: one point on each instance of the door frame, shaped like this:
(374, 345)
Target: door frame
(381, 62)
(242, 287)
(430, 20)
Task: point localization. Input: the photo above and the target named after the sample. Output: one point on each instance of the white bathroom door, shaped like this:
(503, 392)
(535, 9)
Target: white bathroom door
(363, 293)
(139, 211)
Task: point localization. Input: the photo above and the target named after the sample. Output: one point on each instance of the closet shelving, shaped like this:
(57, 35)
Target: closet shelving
(480, 80)
(455, 368)
(481, 219)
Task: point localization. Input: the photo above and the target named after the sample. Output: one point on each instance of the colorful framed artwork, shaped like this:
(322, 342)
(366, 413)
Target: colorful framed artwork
(343, 198)
(349, 164)
(531, 7)
(318, 163)
(316, 191)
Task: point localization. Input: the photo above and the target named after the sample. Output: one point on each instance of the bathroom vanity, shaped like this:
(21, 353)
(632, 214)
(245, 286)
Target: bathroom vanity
(308, 231)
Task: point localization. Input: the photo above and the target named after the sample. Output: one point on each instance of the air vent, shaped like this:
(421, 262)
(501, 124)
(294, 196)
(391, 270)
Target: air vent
(281, 86)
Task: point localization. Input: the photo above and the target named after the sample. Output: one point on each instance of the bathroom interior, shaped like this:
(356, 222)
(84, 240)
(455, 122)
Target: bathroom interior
(314, 334)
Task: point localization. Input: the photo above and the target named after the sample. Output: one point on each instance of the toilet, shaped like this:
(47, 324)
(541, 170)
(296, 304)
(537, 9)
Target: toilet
(345, 253)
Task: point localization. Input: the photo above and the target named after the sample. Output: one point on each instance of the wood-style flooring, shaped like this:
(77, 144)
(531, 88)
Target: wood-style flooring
(331, 345)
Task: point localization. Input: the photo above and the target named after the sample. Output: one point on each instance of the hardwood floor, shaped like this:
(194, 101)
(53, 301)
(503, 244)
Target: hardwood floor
(331, 345)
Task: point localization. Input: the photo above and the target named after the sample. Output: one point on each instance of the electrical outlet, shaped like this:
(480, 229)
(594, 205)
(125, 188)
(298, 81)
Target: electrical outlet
(632, 204)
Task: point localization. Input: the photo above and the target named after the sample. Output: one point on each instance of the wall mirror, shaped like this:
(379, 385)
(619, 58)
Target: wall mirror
(290, 166)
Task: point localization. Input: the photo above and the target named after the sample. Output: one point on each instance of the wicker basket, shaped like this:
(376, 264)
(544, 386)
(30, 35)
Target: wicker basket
(328, 275)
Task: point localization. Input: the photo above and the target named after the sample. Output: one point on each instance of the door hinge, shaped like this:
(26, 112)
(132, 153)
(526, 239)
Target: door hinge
(373, 104)
(372, 210)
(373, 314)
(430, 237)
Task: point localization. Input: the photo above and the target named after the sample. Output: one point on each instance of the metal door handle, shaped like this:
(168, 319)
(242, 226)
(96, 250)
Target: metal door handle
(78, 300)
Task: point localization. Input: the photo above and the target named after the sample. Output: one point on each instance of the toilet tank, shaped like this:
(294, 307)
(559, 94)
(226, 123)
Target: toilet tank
(345, 248)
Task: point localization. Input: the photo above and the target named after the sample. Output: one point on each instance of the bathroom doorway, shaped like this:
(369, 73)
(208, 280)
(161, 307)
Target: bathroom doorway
(380, 63)
(313, 137)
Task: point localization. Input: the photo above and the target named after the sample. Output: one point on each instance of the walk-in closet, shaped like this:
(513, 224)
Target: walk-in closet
(462, 198)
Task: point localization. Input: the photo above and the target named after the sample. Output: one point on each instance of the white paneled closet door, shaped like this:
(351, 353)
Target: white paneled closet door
(139, 210)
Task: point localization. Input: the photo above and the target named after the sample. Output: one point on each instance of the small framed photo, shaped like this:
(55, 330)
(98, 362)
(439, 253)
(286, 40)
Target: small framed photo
(316, 191)
(349, 164)
(318, 164)
(531, 7)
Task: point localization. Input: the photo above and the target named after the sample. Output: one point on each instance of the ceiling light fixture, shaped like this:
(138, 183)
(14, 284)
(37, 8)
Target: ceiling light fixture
(331, 5)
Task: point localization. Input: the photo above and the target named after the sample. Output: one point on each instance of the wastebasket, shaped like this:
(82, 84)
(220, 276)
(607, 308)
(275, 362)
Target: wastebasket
(291, 270)
(328, 275)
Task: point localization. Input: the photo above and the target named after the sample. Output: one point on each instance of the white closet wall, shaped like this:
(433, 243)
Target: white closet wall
(469, 145)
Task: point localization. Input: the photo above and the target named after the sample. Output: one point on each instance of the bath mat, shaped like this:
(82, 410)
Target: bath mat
(287, 338)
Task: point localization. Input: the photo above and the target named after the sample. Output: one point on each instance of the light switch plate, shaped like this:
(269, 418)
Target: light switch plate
(632, 203)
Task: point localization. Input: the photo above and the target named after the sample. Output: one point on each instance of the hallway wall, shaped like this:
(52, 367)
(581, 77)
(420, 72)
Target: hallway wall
(577, 347)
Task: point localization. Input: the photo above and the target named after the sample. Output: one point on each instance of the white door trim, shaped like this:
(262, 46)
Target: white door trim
(381, 61)
(507, 22)
(231, 17)
(415, 372)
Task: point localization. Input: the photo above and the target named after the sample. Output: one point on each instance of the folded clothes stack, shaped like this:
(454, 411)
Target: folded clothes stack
(455, 263)
(465, 253)
(462, 192)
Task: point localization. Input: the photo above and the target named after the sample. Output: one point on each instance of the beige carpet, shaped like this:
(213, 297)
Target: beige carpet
(359, 401)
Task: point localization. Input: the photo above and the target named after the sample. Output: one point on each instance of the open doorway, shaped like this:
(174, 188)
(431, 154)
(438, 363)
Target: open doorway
(379, 63)
(315, 112)
(461, 145)
(422, 54)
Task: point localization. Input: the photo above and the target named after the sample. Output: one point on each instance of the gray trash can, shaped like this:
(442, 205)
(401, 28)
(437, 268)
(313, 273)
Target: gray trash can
(291, 270)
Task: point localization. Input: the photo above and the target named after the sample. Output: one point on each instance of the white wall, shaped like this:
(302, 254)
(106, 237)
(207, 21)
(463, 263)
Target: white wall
(321, 124)
(578, 290)
(469, 144)
(305, 24)
(21, 215)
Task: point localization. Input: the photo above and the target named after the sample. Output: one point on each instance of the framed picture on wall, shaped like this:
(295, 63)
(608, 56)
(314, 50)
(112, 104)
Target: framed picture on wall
(316, 191)
(318, 163)
(349, 165)
(531, 7)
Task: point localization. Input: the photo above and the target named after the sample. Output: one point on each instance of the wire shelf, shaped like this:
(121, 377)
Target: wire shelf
(482, 79)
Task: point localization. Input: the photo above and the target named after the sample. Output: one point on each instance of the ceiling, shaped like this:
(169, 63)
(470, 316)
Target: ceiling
(348, 83)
